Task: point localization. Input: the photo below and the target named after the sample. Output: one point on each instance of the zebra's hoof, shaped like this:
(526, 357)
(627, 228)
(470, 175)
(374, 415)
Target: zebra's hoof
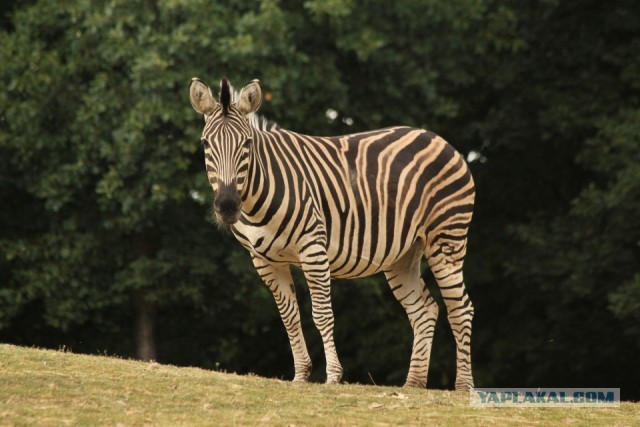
(464, 385)
(334, 374)
(415, 384)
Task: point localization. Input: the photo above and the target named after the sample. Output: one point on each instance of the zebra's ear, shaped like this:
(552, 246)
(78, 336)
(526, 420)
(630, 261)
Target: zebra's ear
(201, 97)
(250, 98)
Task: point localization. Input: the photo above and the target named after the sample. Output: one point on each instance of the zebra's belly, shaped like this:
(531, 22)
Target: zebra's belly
(363, 266)
(357, 254)
(368, 250)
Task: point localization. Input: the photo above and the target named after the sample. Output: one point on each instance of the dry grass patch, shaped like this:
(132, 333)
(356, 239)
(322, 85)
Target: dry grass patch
(43, 387)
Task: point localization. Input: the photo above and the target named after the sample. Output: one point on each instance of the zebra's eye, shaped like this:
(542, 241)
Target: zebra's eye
(204, 143)
(247, 143)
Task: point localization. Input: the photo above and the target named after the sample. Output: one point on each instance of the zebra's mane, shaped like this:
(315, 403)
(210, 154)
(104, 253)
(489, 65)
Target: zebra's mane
(256, 121)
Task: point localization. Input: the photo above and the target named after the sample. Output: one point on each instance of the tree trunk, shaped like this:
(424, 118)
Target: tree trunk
(145, 326)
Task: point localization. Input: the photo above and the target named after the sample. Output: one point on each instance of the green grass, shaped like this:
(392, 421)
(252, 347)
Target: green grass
(43, 387)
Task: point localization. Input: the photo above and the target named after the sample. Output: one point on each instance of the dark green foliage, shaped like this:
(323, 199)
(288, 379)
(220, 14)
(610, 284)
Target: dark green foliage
(104, 197)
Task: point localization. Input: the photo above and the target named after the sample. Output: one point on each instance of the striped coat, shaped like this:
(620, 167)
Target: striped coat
(344, 207)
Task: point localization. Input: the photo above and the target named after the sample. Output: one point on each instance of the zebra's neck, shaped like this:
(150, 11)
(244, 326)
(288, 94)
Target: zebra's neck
(257, 176)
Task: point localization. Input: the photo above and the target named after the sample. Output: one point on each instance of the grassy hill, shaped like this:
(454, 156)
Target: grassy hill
(43, 387)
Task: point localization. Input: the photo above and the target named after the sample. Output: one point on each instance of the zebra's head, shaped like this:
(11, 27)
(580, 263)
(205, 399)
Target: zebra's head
(227, 139)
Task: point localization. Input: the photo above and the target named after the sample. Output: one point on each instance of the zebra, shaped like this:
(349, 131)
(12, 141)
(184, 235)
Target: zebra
(343, 207)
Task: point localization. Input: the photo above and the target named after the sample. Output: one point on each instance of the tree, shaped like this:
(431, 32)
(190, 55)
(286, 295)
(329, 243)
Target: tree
(94, 113)
(561, 125)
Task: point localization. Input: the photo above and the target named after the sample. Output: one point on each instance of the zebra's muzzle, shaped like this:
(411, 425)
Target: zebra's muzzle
(227, 205)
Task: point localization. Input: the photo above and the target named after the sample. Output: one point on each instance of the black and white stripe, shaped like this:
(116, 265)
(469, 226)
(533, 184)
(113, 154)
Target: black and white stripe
(344, 207)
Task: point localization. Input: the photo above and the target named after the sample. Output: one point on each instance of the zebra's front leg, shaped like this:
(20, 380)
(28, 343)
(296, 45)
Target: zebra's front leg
(316, 271)
(279, 281)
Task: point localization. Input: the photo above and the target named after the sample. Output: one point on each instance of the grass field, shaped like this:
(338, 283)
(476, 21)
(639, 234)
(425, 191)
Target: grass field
(53, 388)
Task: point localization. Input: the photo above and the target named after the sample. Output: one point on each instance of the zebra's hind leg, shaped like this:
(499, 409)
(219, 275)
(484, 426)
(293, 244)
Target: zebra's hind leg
(446, 259)
(279, 281)
(409, 289)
